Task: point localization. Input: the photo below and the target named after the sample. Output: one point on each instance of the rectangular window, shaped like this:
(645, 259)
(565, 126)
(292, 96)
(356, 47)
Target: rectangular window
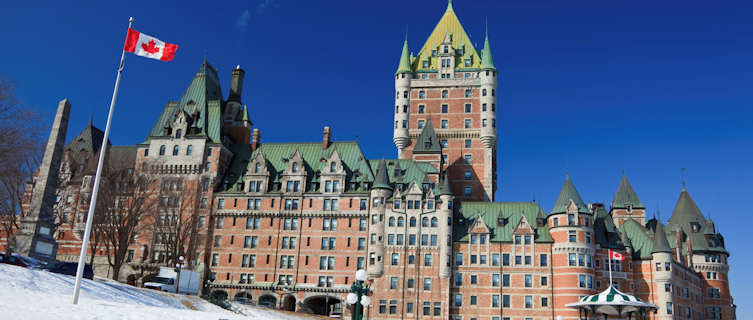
(529, 302)
(458, 300)
(505, 259)
(445, 124)
(467, 108)
(571, 236)
(444, 110)
(467, 123)
(427, 284)
(505, 280)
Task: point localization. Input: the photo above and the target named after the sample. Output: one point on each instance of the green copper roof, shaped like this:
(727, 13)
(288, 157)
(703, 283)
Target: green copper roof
(278, 154)
(639, 238)
(492, 213)
(605, 232)
(427, 141)
(569, 193)
(487, 61)
(404, 66)
(686, 211)
(405, 171)
(626, 196)
(88, 140)
(660, 239)
(444, 186)
(203, 96)
(382, 181)
(244, 115)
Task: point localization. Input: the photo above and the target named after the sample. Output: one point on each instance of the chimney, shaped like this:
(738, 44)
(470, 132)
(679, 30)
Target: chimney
(236, 84)
(327, 138)
(255, 137)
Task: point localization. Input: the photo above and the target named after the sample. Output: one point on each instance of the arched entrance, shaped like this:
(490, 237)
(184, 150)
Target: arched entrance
(219, 295)
(268, 301)
(288, 303)
(243, 297)
(323, 305)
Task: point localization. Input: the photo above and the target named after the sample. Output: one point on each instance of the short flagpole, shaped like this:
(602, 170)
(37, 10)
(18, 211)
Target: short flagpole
(93, 202)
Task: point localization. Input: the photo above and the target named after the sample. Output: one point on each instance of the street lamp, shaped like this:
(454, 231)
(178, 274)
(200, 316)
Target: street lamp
(359, 291)
(177, 274)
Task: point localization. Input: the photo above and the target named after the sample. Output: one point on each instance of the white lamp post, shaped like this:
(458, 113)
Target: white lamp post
(177, 277)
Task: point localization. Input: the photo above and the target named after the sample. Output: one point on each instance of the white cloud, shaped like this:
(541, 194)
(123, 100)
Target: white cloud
(242, 21)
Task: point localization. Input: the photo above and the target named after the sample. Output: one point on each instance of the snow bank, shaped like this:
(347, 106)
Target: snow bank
(38, 294)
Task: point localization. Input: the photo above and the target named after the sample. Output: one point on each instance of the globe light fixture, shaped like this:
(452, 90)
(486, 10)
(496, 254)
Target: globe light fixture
(359, 293)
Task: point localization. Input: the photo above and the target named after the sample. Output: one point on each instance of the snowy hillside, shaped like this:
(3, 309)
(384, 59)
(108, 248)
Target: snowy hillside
(37, 294)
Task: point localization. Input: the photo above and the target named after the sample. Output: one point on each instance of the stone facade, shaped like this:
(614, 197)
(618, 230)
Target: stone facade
(288, 224)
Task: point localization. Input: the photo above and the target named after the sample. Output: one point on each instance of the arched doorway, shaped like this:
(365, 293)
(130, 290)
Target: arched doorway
(219, 295)
(243, 297)
(323, 305)
(288, 303)
(268, 301)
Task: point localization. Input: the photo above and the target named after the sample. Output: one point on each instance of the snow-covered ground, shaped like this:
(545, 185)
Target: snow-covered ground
(38, 294)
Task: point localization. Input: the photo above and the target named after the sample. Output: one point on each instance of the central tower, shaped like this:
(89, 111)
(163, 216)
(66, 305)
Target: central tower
(453, 86)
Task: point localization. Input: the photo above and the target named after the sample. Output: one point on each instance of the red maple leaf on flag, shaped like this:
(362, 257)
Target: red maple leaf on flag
(151, 48)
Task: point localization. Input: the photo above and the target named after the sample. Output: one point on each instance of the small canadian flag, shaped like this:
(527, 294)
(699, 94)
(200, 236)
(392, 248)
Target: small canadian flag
(148, 46)
(616, 256)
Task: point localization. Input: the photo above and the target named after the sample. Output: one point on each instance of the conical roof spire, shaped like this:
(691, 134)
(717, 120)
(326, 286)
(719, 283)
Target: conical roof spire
(444, 186)
(382, 181)
(487, 60)
(686, 211)
(427, 141)
(568, 193)
(626, 196)
(660, 239)
(404, 66)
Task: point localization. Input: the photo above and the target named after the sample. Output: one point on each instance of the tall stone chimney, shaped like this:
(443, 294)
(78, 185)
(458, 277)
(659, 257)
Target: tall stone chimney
(35, 235)
(236, 84)
(327, 139)
(255, 139)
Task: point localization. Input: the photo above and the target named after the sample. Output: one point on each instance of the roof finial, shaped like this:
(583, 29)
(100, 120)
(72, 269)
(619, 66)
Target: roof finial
(449, 4)
(683, 179)
(486, 27)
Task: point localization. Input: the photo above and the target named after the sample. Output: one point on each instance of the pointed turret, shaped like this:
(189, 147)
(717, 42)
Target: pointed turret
(487, 60)
(381, 180)
(404, 66)
(568, 193)
(661, 244)
(444, 186)
(626, 196)
(427, 141)
(686, 211)
(625, 240)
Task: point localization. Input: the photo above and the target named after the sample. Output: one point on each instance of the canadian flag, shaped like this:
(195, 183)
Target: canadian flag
(148, 46)
(616, 256)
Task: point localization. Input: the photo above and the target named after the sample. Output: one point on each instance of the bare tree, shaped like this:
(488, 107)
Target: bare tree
(177, 222)
(20, 154)
(125, 199)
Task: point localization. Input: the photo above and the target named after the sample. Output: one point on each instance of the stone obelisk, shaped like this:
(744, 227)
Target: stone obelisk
(35, 236)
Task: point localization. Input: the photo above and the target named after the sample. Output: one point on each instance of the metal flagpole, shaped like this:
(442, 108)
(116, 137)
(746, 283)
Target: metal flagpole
(93, 202)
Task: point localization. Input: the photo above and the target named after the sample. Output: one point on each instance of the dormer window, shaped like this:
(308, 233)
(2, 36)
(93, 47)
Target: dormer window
(294, 168)
(467, 63)
(696, 227)
(332, 166)
(446, 49)
(629, 208)
(257, 167)
(178, 133)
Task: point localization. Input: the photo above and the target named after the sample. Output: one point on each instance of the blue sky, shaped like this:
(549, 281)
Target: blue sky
(589, 87)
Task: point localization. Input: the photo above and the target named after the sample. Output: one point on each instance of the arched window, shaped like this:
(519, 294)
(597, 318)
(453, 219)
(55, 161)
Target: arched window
(412, 221)
(391, 222)
(332, 166)
(467, 93)
(178, 133)
(257, 167)
(425, 222)
(422, 94)
(483, 92)
(176, 150)
(445, 94)
(162, 150)
(434, 222)
(400, 222)
(295, 167)
(189, 150)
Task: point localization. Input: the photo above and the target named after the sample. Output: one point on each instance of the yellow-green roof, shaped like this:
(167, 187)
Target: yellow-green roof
(449, 23)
